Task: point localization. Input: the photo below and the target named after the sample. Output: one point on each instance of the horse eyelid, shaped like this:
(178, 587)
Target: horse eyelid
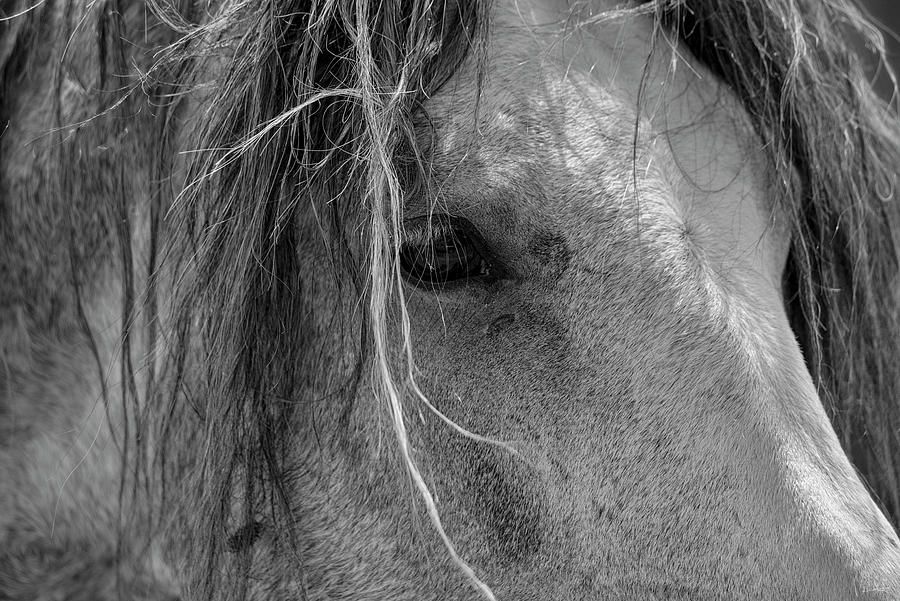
(426, 247)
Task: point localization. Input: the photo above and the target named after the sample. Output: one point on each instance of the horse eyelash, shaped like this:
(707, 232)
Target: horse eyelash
(425, 231)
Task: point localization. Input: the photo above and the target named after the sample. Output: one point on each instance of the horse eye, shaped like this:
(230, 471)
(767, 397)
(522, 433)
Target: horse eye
(440, 251)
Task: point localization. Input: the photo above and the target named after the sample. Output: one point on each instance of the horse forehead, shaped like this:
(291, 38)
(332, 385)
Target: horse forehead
(590, 101)
(595, 68)
(555, 79)
(562, 82)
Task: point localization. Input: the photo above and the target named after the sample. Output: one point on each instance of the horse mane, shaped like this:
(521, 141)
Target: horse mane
(311, 114)
(308, 108)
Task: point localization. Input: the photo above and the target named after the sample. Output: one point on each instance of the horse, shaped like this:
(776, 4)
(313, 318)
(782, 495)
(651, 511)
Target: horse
(447, 299)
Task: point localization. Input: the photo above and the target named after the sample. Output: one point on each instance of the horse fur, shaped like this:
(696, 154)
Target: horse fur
(182, 184)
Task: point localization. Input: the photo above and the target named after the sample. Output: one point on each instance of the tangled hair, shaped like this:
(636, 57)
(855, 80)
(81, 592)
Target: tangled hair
(306, 108)
(310, 110)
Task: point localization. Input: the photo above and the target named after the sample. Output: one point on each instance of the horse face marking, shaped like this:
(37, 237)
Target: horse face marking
(552, 251)
(500, 323)
(502, 495)
(244, 537)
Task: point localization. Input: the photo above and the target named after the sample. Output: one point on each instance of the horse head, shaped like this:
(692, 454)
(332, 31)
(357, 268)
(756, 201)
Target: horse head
(449, 300)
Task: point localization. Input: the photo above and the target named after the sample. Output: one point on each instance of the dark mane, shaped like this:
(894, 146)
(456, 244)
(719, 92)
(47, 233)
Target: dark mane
(307, 109)
(296, 123)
